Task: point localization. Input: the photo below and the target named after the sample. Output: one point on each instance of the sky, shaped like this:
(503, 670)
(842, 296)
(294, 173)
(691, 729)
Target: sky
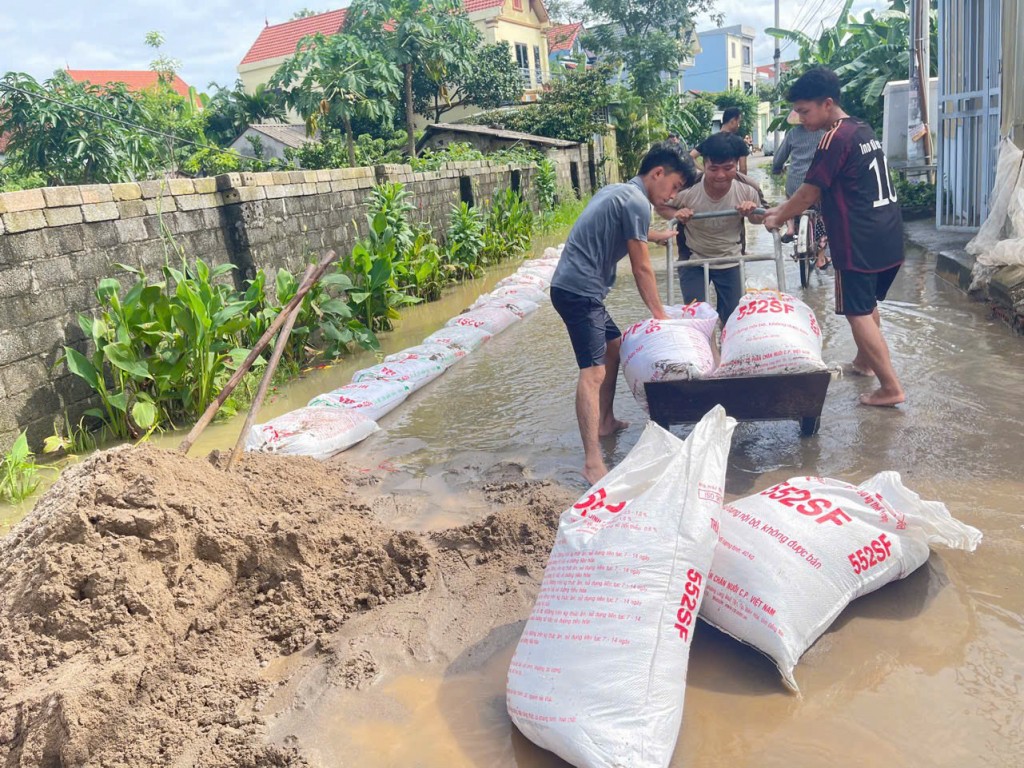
(210, 37)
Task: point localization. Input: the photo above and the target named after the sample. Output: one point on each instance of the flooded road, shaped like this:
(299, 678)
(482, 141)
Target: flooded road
(928, 671)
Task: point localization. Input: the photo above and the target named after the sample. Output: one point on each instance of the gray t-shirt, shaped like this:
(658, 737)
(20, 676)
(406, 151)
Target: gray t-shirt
(618, 213)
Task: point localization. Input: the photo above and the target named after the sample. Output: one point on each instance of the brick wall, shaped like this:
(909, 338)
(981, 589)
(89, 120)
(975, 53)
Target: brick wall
(57, 243)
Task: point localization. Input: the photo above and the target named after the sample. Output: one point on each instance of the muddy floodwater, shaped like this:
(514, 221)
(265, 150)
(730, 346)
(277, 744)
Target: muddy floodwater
(928, 671)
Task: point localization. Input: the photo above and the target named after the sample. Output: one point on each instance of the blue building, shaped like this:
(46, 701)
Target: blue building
(725, 60)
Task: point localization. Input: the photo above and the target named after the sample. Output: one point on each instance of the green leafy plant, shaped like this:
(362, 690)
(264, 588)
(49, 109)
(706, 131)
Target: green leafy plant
(509, 227)
(325, 324)
(18, 471)
(123, 337)
(391, 200)
(465, 241)
(70, 439)
(545, 180)
(376, 297)
(424, 272)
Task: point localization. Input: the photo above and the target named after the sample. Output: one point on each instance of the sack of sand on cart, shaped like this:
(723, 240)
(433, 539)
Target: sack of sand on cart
(770, 333)
(668, 350)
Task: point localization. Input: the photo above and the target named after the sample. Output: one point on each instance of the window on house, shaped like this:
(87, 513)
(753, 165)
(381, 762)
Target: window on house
(746, 54)
(732, 49)
(517, 5)
(523, 62)
(537, 71)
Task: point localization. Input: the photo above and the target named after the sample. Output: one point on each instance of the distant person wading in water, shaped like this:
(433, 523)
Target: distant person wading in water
(615, 223)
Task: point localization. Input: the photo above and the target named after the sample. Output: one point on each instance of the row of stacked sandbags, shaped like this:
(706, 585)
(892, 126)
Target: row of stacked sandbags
(334, 421)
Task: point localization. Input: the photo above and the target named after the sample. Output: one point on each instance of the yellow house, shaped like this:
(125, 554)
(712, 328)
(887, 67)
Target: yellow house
(523, 24)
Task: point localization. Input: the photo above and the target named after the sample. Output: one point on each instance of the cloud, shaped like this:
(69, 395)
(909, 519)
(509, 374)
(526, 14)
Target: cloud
(209, 37)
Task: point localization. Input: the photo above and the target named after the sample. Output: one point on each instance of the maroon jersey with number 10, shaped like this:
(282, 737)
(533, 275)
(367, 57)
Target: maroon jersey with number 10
(858, 199)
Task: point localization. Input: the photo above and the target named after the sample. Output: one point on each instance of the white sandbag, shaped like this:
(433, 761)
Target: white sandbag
(664, 350)
(516, 292)
(770, 333)
(599, 674)
(790, 558)
(704, 315)
(521, 279)
(414, 372)
(440, 353)
(316, 432)
(459, 337)
(491, 318)
(541, 270)
(512, 296)
(552, 254)
(371, 398)
(519, 307)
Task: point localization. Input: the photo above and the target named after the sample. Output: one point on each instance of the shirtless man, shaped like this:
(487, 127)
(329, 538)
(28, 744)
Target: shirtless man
(615, 223)
(850, 176)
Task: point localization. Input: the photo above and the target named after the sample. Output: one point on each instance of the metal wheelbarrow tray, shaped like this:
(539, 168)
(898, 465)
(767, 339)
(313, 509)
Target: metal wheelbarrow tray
(798, 396)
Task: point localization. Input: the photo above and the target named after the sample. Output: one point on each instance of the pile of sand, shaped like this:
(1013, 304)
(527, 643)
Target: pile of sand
(142, 597)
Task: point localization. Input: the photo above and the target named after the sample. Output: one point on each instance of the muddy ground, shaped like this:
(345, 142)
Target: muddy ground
(147, 602)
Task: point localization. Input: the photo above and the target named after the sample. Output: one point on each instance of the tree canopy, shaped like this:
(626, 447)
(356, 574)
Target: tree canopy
(332, 79)
(432, 36)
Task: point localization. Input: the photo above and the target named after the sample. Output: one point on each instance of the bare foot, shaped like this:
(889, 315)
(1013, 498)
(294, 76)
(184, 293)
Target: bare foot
(611, 427)
(883, 399)
(860, 369)
(593, 473)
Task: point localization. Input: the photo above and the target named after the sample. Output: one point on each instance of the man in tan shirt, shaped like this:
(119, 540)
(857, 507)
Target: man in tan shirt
(718, 237)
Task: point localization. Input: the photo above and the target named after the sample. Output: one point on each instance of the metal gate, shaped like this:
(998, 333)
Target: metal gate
(969, 108)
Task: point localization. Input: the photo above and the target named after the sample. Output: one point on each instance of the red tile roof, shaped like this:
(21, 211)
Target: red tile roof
(135, 80)
(562, 36)
(769, 69)
(281, 39)
(473, 6)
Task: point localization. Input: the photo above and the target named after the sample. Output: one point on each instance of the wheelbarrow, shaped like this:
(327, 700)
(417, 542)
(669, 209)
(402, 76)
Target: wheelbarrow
(780, 397)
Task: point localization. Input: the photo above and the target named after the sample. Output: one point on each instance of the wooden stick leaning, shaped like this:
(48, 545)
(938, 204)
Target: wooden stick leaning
(268, 374)
(257, 349)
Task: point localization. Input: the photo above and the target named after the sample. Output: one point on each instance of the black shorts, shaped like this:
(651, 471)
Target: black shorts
(858, 293)
(589, 324)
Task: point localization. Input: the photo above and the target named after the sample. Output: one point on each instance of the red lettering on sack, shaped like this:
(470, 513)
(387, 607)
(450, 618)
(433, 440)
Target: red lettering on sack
(803, 502)
(875, 553)
(688, 604)
(596, 501)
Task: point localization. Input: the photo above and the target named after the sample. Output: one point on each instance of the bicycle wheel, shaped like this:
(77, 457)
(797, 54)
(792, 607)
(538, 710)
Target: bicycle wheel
(805, 248)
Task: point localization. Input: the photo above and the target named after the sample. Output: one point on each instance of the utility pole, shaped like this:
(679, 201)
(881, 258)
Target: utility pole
(778, 70)
(919, 139)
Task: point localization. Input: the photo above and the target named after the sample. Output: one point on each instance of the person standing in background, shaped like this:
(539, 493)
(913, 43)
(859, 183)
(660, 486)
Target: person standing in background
(799, 147)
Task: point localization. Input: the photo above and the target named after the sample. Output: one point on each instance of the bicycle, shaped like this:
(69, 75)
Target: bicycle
(805, 244)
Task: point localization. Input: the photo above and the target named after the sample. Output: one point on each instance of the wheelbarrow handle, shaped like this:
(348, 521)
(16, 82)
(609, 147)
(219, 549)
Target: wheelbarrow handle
(721, 214)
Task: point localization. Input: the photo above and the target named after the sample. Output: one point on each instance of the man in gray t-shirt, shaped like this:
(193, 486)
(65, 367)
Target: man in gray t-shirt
(615, 223)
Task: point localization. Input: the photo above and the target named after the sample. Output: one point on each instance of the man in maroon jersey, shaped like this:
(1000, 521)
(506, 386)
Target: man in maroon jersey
(850, 176)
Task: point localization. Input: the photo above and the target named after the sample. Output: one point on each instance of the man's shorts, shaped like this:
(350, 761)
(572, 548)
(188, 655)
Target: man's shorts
(858, 293)
(589, 324)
